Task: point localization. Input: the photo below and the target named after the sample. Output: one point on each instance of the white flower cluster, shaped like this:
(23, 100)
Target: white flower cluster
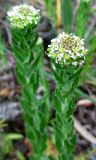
(23, 15)
(67, 49)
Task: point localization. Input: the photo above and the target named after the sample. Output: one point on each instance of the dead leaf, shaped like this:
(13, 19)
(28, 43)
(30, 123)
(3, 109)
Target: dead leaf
(5, 92)
(51, 149)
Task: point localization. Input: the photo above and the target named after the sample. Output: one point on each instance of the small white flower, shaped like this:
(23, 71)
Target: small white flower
(81, 63)
(29, 19)
(59, 57)
(73, 56)
(74, 63)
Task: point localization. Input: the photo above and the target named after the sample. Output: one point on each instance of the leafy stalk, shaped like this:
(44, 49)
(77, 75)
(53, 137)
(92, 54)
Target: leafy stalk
(64, 103)
(23, 24)
(68, 54)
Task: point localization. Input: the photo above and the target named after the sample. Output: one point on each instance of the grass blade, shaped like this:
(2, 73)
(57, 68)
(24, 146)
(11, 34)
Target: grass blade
(67, 14)
(82, 17)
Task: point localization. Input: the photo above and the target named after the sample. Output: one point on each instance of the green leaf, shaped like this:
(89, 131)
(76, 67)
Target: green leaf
(43, 120)
(70, 109)
(31, 133)
(28, 110)
(80, 93)
(20, 155)
(20, 76)
(14, 136)
(67, 14)
(58, 142)
(17, 52)
(29, 58)
(48, 6)
(70, 144)
(57, 103)
(82, 17)
(35, 63)
(27, 94)
(59, 118)
(75, 74)
(57, 77)
(89, 57)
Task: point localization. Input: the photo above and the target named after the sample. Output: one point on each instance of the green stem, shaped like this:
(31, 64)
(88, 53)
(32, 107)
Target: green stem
(35, 111)
(65, 136)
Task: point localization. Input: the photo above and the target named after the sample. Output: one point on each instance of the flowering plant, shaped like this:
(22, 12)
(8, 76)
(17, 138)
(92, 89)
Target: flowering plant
(67, 53)
(23, 21)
